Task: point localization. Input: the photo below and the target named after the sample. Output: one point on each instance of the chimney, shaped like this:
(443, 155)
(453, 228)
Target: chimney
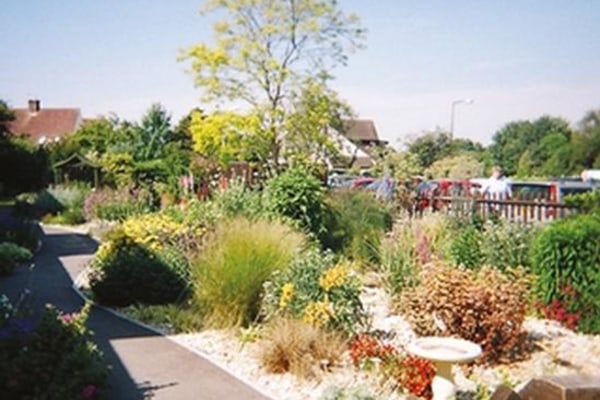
(34, 105)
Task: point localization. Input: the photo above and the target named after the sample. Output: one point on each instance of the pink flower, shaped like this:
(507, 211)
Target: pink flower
(89, 391)
(66, 318)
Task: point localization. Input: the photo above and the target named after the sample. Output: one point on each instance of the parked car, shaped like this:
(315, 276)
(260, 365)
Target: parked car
(429, 192)
(549, 191)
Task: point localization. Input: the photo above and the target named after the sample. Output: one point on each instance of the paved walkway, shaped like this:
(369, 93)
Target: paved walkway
(144, 364)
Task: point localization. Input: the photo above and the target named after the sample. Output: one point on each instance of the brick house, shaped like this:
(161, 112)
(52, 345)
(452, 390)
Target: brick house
(44, 124)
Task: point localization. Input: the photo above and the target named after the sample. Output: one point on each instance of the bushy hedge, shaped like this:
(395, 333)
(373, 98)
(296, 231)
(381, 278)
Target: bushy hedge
(566, 260)
(298, 195)
(126, 272)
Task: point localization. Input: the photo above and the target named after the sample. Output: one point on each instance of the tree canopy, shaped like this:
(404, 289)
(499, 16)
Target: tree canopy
(264, 50)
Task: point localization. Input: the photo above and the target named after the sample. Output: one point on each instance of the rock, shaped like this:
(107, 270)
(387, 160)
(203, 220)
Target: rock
(505, 393)
(567, 387)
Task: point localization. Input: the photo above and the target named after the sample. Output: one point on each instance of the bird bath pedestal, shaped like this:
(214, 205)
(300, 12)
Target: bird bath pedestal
(444, 352)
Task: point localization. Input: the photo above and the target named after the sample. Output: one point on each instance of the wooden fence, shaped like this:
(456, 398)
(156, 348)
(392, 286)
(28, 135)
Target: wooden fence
(522, 211)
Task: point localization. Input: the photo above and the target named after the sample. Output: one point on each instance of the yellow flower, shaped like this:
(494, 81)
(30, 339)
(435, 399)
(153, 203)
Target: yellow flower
(317, 313)
(287, 292)
(333, 277)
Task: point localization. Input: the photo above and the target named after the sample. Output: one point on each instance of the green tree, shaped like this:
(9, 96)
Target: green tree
(153, 134)
(460, 166)
(403, 165)
(430, 147)
(6, 116)
(586, 142)
(226, 136)
(317, 110)
(265, 49)
(510, 142)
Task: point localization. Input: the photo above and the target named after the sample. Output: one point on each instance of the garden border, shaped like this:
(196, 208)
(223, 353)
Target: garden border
(75, 286)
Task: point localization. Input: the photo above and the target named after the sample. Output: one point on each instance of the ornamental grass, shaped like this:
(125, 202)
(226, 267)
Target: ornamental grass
(238, 258)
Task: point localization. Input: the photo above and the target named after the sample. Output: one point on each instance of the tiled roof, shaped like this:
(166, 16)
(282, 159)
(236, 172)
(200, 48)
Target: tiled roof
(46, 122)
(361, 130)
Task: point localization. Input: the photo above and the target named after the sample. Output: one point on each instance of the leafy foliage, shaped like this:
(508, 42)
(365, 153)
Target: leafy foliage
(116, 205)
(497, 243)
(226, 136)
(565, 254)
(310, 139)
(589, 201)
(238, 258)
(54, 359)
(15, 252)
(355, 224)
(298, 195)
(461, 166)
(539, 139)
(265, 49)
(317, 290)
(487, 307)
(126, 272)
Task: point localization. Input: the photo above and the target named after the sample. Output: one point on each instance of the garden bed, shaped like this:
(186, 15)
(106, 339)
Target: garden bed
(557, 351)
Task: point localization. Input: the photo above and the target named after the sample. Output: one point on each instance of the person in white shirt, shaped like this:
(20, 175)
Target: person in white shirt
(497, 186)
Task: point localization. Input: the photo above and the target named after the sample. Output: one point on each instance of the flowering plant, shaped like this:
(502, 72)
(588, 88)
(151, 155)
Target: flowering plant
(51, 359)
(318, 290)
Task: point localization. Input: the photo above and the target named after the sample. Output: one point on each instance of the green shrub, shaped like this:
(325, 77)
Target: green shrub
(318, 290)
(356, 224)
(566, 260)
(298, 195)
(16, 252)
(506, 245)
(499, 244)
(466, 248)
(117, 205)
(239, 200)
(589, 201)
(126, 272)
(54, 360)
(238, 258)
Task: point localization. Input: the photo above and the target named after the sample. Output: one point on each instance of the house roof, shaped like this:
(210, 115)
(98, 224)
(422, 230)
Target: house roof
(45, 123)
(361, 130)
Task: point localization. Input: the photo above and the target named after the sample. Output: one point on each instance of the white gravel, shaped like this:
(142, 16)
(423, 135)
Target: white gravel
(560, 351)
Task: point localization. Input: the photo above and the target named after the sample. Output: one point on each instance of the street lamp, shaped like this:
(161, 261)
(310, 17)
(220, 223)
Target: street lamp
(454, 104)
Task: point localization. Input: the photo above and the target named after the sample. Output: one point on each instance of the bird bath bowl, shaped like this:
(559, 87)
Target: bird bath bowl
(444, 352)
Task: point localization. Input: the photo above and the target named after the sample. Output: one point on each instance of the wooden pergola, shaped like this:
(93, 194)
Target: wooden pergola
(76, 167)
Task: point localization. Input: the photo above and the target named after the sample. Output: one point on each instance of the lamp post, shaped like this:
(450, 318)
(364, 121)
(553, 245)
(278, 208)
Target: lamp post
(453, 106)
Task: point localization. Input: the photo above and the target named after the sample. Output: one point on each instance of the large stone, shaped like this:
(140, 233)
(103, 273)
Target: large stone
(567, 387)
(505, 393)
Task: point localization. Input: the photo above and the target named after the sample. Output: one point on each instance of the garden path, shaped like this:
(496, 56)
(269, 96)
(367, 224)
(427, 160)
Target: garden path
(144, 364)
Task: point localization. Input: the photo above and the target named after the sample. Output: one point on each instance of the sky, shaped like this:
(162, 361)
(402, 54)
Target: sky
(516, 59)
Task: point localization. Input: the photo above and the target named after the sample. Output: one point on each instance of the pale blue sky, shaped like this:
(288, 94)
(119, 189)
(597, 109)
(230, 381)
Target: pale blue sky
(516, 59)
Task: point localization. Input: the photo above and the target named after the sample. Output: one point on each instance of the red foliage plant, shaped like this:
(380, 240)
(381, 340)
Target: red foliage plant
(365, 347)
(416, 376)
(411, 373)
